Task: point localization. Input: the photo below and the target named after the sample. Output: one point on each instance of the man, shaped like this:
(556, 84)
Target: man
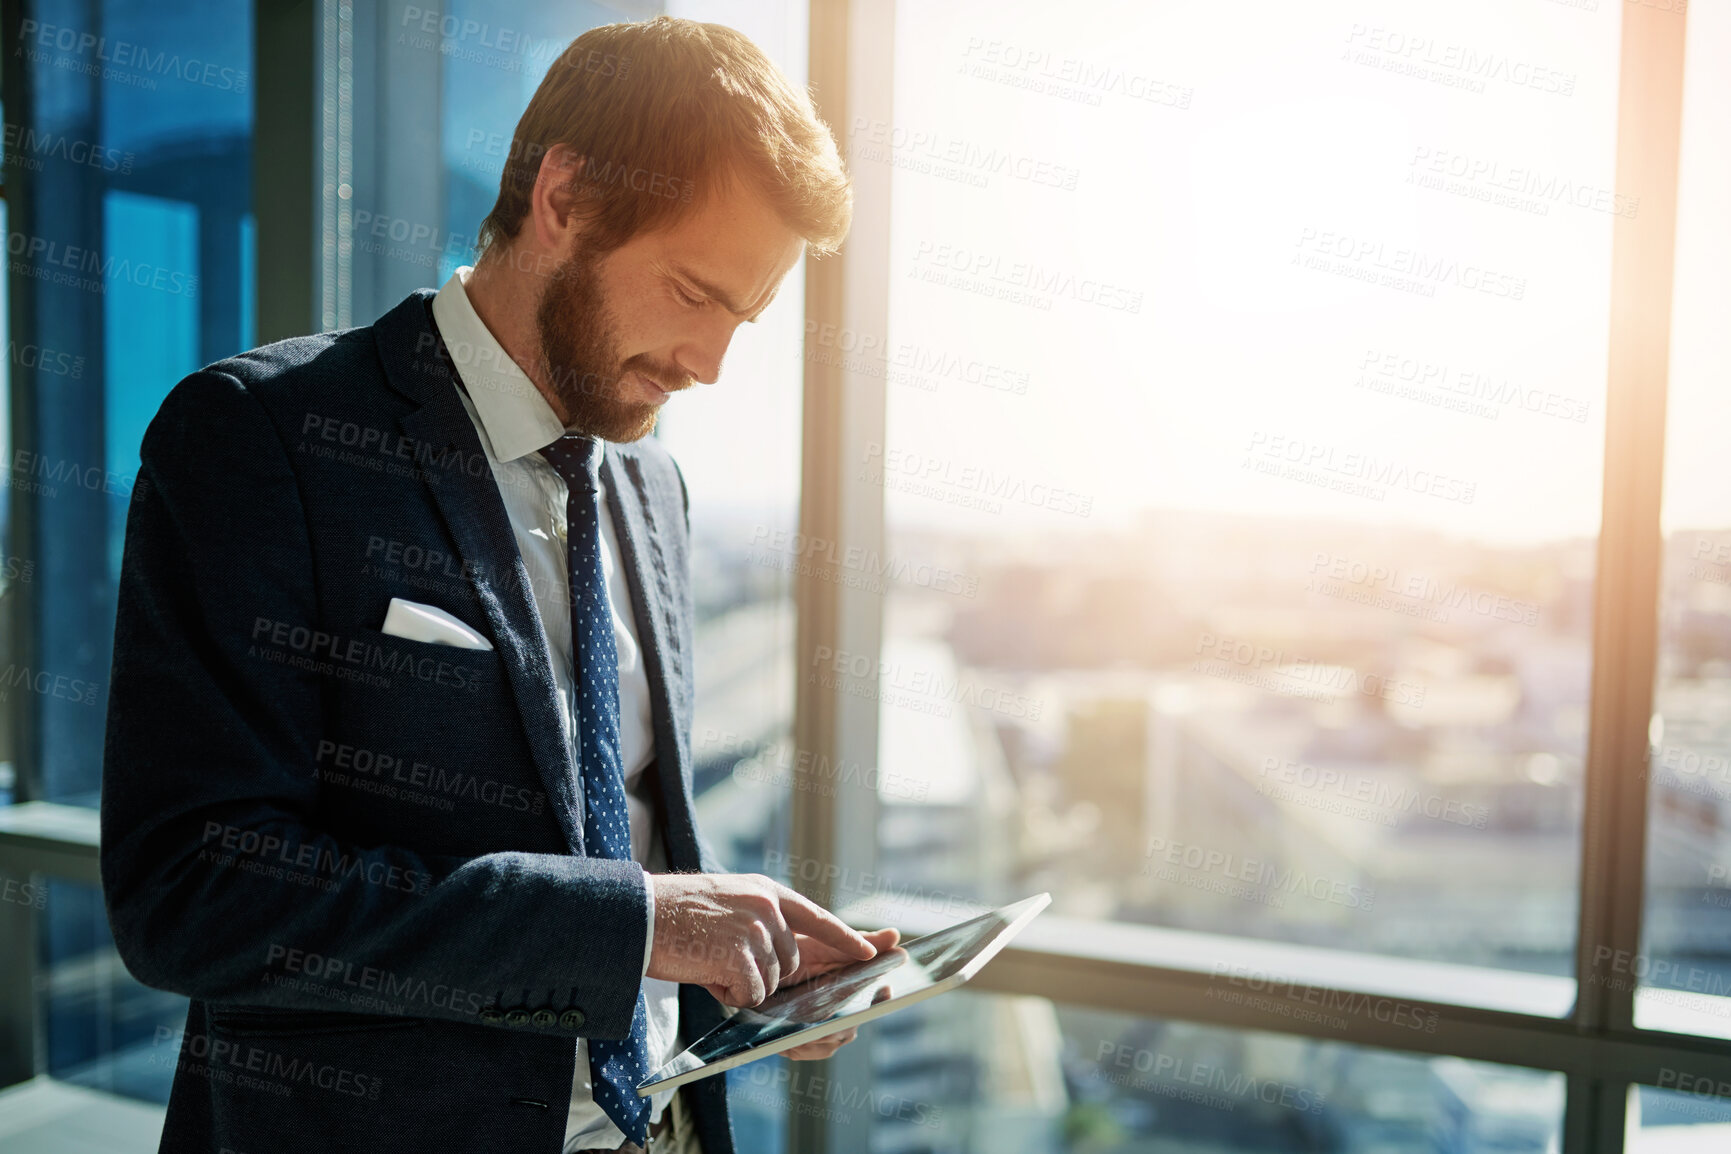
(397, 783)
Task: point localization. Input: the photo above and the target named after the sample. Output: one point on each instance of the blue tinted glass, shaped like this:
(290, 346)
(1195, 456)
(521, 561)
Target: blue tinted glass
(129, 181)
(150, 319)
(132, 172)
(432, 126)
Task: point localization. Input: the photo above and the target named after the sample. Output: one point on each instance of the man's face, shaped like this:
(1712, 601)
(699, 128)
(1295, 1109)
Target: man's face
(621, 332)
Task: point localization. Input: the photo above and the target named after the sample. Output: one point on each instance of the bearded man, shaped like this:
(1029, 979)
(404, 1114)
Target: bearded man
(398, 777)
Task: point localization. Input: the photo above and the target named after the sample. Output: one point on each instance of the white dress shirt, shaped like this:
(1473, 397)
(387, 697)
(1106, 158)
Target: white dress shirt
(514, 421)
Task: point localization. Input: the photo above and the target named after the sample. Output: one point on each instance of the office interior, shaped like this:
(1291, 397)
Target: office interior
(1252, 472)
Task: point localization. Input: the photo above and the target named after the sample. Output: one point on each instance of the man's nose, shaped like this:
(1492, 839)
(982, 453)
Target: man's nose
(701, 355)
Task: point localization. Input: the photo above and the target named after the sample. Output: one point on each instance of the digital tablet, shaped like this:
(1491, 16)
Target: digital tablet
(908, 972)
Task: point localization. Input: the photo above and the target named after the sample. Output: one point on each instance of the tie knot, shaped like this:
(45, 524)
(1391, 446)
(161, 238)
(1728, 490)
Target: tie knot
(576, 458)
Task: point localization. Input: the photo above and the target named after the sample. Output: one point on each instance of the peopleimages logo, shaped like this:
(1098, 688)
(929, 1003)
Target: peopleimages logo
(965, 484)
(1115, 1060)
(1288, 880)
(122, 60)
(1392, 266)
(1417, 588)
(30, 146)
(376, 772)
(1227, 653)
(283, 859)
(921, 689)
(235, 1062)
(71, 266)
(361, 985)
(1269, 451)
(1286, 997)
(868, 562)
(1381, 801)
(352, 658)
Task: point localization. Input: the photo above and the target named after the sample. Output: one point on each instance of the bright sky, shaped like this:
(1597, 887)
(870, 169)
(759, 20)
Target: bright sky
(1278, 136)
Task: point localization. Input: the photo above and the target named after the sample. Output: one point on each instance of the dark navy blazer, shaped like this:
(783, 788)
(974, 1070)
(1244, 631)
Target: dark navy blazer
(362, 856)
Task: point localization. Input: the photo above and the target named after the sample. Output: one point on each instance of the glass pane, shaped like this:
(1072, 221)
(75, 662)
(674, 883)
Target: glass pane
(130, 180)
(1010, 1075)
(1692, 1115)
(1247, 385)
(417, 167)
(738, 445)
(1684, 968)
(104, 1029)
(134, 175)
(431, 132)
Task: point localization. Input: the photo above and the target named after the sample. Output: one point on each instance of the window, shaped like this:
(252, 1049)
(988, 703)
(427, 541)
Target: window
(1246, 412)
(737, 444)
(978, 1072)
(1685, 965)
(419, 106)
(1263, 471)
(128, 191)
(1694, 1117)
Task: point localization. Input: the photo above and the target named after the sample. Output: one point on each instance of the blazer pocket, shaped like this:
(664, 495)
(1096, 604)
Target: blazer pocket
(253, 1022)
(413, 620)
(405, 662)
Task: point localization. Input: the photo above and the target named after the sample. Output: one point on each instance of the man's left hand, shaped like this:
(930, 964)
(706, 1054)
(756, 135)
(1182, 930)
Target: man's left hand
(816, 958)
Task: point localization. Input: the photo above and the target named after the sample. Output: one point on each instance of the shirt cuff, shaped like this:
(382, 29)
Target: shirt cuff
(649, 938)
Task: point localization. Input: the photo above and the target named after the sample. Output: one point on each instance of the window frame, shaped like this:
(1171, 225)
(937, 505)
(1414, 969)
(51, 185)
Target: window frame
(1596, 1045)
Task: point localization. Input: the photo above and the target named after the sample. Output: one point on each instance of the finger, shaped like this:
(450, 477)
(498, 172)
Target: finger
(885, 938)
(819, 1049)
(785, 943)
(765, 955)
(834, 1042)
(815, 959)
(810, 918)
(815, 952)
(812, 951)
(748, 982)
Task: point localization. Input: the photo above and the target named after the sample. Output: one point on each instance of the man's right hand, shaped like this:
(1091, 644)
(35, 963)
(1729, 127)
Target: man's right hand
(733, 934)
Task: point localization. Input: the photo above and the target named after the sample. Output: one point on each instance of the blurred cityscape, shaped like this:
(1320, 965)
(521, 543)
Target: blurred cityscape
(1295, 731)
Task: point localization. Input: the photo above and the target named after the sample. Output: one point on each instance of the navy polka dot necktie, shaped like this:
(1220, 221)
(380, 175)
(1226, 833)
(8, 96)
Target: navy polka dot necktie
(615, 1065)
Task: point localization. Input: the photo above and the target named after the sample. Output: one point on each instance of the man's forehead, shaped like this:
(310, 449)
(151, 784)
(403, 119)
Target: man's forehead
(736, 253)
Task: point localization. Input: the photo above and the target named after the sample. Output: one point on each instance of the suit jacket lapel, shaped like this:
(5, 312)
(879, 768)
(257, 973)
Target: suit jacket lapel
(460, 479)
(653, 605)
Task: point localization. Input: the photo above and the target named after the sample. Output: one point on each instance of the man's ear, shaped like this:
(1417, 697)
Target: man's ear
(553, 200)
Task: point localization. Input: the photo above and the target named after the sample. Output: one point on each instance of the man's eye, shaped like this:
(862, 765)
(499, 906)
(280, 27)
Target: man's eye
(686, 298)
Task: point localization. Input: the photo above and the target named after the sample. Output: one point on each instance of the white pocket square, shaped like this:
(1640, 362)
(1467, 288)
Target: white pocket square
(417, 622)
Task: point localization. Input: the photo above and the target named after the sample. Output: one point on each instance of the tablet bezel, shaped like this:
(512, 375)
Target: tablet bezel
(1016, 915)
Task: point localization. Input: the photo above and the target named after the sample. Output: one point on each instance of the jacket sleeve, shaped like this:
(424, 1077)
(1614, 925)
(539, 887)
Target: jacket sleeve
(208, 743)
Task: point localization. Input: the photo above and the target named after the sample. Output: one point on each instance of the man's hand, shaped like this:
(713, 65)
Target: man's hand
(817, 958)
(740, 935)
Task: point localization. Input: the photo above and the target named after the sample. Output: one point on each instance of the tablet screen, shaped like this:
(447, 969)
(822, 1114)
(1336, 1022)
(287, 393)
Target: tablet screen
(902, 970)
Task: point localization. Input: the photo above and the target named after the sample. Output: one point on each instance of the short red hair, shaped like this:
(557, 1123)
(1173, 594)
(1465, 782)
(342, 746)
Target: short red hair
(665, 112)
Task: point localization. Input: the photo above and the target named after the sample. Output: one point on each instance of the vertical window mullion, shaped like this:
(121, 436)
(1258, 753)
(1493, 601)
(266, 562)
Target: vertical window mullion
(1625, 628)
(840, 622)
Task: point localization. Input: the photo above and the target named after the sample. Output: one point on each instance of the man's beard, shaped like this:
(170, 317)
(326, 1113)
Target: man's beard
(580, 355)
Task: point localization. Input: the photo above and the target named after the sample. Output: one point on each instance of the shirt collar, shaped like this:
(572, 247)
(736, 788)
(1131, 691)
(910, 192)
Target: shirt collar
(514, 416)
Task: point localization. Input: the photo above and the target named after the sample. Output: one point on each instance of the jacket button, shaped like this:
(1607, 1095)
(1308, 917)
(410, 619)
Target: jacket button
(571, 1019)
(491, 1016)
(517, 1017)
(543, 1018)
